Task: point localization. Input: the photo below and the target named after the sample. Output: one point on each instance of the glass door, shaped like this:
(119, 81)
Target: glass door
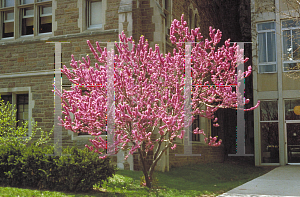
(293, 142)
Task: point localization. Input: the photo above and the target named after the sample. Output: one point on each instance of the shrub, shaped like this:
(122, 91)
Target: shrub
(32, 167)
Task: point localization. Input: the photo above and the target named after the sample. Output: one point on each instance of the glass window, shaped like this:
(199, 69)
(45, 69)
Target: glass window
(8, 3)
(290, 23)
(266, 26)
(269, 142)
(6, 98)
(269, 131)
(22, 108)
(26, 1)
(266, 47)
(27, 21)
(8, 24)
(45, 20)
(291, 45)
(196, 123)
(289, 109)
(268, 110)
(94, 14)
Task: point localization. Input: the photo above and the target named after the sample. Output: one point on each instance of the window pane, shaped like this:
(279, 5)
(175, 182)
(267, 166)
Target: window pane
(296, 44)
(269, 142)
(45, 22)
(22, 107)
(6, 98)
(46, 10)
(9, 3)
(262, 47)
(265, 26)
(287, 48)
(9, 16)
(289, 109)
(28, 1)
(268, 110)
(269, 68)
(271, 47)
(290, 23)
(8, 30)
(291, 66)
(28, 12)
(96, 8)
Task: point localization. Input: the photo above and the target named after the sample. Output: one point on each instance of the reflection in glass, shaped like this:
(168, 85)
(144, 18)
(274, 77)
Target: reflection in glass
(268, 110)
(271, 47)
(287, 47)
(293, 142)
(290, 23)
(289, 109)
(291, 66)
(265, 26)
(296, 44)
(268, 68)
(9, 3)
(262, 47)
(269, 142)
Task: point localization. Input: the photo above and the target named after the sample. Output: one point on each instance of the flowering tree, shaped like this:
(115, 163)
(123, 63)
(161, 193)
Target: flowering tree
(149, 92)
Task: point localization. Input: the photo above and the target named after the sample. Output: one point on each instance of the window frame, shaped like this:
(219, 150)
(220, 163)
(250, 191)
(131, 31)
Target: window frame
(290, 30)
(22, 16)
(264, 32)
(88, 17)
(14, 95)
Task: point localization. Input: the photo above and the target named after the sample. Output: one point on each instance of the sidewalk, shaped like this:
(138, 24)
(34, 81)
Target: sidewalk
(282, 181)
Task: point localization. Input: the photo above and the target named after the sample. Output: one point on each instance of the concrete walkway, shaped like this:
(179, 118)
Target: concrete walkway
(282, 181)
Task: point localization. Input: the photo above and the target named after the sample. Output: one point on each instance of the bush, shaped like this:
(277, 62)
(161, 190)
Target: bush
(32, 167)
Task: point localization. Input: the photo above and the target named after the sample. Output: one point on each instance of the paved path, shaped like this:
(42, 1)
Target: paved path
(282, 181)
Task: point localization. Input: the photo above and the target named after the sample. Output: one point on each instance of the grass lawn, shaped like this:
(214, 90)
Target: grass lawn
(194, 180)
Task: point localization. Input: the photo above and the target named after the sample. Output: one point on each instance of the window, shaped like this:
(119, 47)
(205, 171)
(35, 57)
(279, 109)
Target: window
(196, 137)
(22, 108)
(23, 2)
(167, 12)
(269, 131)
(8, 24)
(6, 98)
(45, 19)
(291, 45)
(27, 21)
(289, 109)
(7, 3)
(266, 48)
(31, 17)
(94, 11)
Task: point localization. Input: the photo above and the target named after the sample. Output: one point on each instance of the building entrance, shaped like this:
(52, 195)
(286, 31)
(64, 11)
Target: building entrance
(293, 142)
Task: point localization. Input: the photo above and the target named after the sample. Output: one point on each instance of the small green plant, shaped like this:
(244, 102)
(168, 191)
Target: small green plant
(18, 135)
(154, 181)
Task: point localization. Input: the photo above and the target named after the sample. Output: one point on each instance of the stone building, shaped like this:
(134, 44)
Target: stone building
(275, 49)
(30, 29)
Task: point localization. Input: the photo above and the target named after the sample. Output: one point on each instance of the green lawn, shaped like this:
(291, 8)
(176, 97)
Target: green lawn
(194, 180)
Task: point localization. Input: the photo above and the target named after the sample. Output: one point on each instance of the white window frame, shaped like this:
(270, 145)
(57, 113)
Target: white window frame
(290, 29)
(265, 33)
